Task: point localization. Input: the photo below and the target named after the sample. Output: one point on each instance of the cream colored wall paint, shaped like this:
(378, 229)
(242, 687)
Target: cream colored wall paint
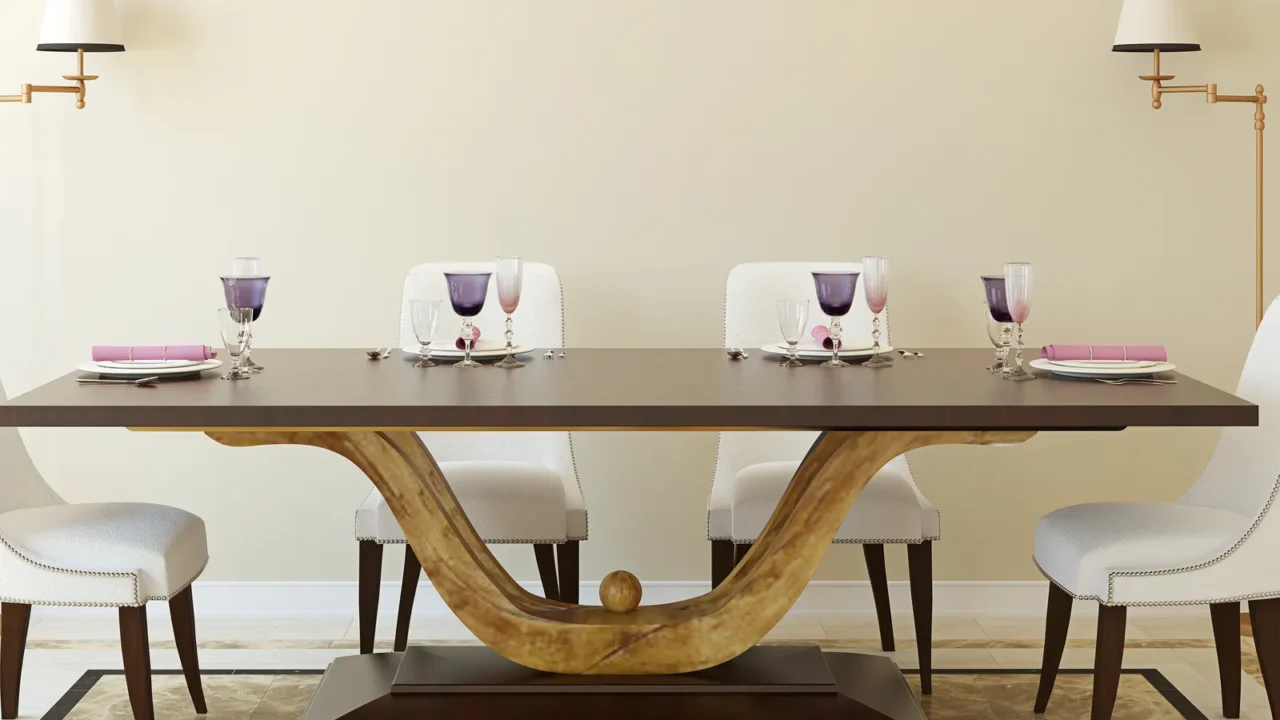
(643, 148)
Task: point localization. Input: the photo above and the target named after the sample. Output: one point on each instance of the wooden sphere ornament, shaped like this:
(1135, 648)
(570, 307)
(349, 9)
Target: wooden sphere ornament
(620, 592)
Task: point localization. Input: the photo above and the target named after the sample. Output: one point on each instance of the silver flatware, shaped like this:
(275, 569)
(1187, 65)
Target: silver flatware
(379, 354)
(548, 355)
(911, 355)
(141, 382)
(1136, 381)
(737, 354)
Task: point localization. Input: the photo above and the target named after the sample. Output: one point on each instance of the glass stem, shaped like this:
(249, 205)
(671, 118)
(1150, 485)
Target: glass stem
(791, 346)
(510, 335)
(835, 340)
(875, 334)
(466, 342)
(1018, 357)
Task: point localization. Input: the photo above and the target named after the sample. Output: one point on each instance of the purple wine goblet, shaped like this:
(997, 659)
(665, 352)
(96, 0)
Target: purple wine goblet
(999, 322)
(246, 292)
(835, 297)
(467, 291)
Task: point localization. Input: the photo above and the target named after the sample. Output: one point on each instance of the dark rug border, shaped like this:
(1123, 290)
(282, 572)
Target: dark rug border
(1155, 678)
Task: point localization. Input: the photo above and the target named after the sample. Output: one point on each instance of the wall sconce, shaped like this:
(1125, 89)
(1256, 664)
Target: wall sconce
(1157, 26)
(78, 26)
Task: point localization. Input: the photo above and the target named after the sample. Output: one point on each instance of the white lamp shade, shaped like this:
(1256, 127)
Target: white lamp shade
(1164, 25)
(89, 25)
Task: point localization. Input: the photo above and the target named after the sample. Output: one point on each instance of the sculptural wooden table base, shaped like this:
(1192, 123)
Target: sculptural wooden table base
(692, 657)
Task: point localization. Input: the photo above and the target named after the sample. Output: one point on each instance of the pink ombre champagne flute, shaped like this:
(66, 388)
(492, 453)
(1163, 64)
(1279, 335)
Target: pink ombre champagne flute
(510, 272)
(1018, 285)
(875, 274)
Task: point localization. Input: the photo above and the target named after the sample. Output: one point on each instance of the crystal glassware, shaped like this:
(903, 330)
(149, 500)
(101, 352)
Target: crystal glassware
(510, 271)
(424, 315)
(835, 297)
(234, 325)
(793, 319)
(999, 322)
(875, 271)
(467, 291)
(246, 287)
(1018, 286)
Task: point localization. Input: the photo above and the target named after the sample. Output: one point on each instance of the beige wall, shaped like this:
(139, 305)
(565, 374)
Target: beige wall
(643, 147)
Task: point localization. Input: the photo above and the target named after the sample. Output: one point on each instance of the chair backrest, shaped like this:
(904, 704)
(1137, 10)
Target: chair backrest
(21, 485)
(538, 321)
(751, 320)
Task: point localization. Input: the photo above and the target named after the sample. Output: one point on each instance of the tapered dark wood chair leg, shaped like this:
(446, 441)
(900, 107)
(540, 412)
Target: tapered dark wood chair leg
(15, 618)
(546, 557)
(721, 561)
(408, 591)
(920, 570)
(182, 611)
(1057, 621)
(1265, 617)
(370, 584)
(567, 562)
(1226, 637)
(879, 577)
(739, 552)
(1107, 659)
(137, 660)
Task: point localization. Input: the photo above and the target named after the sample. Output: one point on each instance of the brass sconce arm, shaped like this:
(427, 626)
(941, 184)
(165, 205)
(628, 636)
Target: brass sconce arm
(78, 88)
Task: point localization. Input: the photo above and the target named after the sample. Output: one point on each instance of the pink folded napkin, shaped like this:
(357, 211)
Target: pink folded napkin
(117, 353)
(475, 338)
(1105, 352)
(822, 334)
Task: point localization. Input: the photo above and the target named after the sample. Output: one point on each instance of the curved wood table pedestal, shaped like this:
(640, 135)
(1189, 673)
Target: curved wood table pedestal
(680, 637)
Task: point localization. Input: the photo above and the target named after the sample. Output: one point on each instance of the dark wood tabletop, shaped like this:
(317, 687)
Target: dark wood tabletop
(597, 389)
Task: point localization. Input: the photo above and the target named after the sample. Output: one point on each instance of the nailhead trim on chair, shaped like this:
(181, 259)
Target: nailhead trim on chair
(559, 541)
(1275, 488)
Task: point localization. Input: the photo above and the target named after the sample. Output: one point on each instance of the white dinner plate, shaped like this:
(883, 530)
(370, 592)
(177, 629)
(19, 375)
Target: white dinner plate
(1102, 372)
(1095, 364)
(133, 372)
(484, 352)
(147, 364)
(815, 353)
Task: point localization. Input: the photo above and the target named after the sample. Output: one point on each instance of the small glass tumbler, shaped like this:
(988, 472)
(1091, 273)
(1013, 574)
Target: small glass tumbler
(467, 292)
(999, 322)
(835, 298)
(1018, 282)
(793, 319)
(875, 271)
(234, 325)
(425, 317)
(510, 271)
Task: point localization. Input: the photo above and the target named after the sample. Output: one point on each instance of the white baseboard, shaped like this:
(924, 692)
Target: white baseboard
(230, 599)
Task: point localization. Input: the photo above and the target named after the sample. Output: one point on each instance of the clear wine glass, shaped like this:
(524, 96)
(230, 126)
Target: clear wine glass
(793, 319)
(424, 315)
(876, 272)
(467, 291)
(510, 271)
(999, 322)
(246, 287)
(835, 297)
(234, 325)
(1018, 285)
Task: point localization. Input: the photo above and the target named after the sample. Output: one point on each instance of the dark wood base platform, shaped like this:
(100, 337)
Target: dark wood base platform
(765, 682)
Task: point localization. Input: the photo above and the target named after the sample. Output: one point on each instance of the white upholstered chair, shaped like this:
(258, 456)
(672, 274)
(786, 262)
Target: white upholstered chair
(753, 469)
(516, 487)
(1216, 546)
(119, 555)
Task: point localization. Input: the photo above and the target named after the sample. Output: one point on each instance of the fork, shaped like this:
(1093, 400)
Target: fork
(1137, 381)
(143, 382)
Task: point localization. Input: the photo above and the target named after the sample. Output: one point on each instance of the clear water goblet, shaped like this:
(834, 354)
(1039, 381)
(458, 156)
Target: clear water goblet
(234, 326)
(467, 291)
(835, 298)
(1018, 282)
(510, 271)
(424, 315)
(875, 272)
(793, 320)
(999, 322)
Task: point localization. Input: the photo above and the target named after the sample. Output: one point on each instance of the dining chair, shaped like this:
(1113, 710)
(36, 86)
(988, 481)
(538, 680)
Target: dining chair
(120, 555)
(753, 469)
(1213, 546)
(515, 487)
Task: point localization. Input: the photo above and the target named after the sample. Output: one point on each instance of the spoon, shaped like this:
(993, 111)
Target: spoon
(379, 354)
(141, 382)
(737, 354)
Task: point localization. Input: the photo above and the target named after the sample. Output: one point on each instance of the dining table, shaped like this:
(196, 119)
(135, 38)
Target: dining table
(698, 657)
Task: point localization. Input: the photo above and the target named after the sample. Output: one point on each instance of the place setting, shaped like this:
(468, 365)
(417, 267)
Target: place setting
(147, 365)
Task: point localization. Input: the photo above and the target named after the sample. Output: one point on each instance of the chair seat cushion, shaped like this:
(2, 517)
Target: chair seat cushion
(1080, 547)
(889, 509)
(114, 554)
(507, 502)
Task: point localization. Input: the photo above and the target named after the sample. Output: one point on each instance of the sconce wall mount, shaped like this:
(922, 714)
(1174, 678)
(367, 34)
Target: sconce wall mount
(78, 26)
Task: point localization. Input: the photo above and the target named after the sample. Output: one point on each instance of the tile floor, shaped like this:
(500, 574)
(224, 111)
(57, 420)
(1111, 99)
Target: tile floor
(60, 650)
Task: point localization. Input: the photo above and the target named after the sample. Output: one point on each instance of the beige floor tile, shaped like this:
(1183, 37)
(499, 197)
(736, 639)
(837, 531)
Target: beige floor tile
(1081, 628)
(1176, 627)
(947, 658)
(867, 628)
(330, 629)
(797, 630)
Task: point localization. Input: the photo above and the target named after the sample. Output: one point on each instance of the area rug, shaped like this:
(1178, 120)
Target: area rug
(957, 694)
